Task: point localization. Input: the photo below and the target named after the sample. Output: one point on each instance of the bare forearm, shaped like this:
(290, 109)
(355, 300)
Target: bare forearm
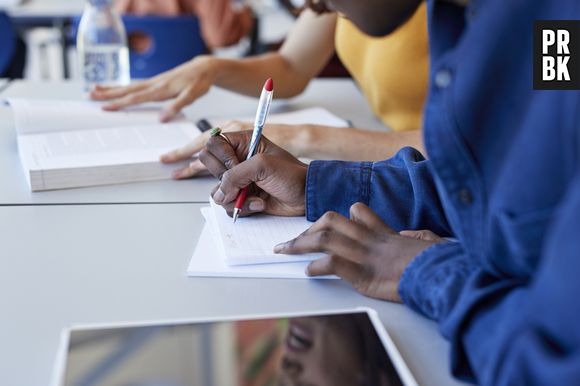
(246, 76)
(322, 142)
(306, 50)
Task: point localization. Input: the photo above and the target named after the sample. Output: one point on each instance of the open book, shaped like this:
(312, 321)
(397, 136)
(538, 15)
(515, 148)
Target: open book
(69, 144)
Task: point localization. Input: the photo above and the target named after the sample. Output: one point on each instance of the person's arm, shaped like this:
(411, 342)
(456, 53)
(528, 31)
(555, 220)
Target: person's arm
(305, 51)
(401, 190)
(507, 331)
(221, 25)
(347, 144)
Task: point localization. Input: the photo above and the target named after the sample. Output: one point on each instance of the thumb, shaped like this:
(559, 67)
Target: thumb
(186, 151)
(363, 215)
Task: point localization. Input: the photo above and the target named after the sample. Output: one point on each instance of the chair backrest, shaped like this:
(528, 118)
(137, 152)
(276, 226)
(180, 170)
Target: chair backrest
(174, 40)
(7, 42)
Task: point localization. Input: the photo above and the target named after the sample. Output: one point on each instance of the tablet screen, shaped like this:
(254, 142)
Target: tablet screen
(340, 349)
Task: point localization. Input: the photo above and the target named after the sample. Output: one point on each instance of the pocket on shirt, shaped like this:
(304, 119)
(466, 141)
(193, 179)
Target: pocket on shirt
(523, 237)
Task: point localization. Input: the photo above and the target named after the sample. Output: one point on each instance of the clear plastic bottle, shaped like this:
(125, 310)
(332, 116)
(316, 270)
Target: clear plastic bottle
(102, 46)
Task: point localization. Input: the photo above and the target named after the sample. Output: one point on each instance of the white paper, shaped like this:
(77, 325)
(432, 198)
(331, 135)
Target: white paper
(310, 116)
(70, 144)
(208, 261)
(44, 116)
(251, 240)
(100, 147)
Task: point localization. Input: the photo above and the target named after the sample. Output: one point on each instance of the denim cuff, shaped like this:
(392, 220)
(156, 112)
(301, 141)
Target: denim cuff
(335, 186)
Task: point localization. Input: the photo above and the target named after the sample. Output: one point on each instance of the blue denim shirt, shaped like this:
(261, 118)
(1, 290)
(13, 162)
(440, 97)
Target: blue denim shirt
(503, 178)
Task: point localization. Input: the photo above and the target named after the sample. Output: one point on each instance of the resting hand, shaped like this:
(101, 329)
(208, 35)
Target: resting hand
(275, 178)
(186, 83)
(362, 250)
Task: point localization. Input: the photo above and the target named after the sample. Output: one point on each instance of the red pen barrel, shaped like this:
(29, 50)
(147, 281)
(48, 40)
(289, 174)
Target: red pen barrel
(241, 198)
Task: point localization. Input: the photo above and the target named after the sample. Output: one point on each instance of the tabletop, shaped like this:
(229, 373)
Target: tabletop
(4, 83)
(49, 9)
(339, 96)
(114, 263)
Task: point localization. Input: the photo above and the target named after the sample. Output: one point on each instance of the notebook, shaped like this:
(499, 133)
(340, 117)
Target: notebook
(208, 261)
(251, 240)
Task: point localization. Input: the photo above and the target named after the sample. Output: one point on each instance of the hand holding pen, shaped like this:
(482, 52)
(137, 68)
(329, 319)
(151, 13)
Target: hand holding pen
(260, 121)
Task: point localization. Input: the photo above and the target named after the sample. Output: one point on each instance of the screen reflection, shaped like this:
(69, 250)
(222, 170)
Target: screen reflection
(305, 351)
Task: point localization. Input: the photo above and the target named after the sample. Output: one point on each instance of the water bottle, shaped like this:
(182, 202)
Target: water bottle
(102, 46)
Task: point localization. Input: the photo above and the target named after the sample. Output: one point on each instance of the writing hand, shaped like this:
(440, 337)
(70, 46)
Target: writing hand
(283, 135)
(275, 178)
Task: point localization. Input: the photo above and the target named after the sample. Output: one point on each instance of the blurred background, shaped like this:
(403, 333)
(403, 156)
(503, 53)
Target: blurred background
(38, 37)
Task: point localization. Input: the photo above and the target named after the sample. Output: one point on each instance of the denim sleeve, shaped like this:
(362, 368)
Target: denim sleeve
(516, 331)
(401, 190)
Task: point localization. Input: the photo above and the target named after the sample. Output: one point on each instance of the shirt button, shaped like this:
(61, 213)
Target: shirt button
(443, 78)
(465, 196)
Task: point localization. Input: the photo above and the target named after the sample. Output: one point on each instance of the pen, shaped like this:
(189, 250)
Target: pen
(203, 125)
(261, 114)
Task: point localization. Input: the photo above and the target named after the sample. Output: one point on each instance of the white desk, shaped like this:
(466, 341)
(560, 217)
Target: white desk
(49, 9)
(111, 263)
(4, 83)
(339, 96)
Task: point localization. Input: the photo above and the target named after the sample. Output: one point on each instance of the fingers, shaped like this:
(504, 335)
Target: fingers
(193, 169)
(252, 205)
(424, 234)
(332, 234)
(333, 265)
(218, 156)
(213, 164)
(186, 151)
(363, 215)
(147, 95)
(185, 98)
(105, 93)
(240, 176)
(230, 126)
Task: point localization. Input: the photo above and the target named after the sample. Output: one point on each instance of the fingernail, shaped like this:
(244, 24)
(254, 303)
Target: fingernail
(279, 248)
(176, 174)
(307, 270)
(256, 206)
(219, 196)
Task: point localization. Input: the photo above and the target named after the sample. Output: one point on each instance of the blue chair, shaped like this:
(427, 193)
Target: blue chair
(174, 40)
(7, 43)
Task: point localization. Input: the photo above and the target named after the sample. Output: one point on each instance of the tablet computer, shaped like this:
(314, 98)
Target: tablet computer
(342, 347)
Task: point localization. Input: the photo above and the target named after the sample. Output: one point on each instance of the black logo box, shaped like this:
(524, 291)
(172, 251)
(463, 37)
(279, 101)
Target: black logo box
(573, 27)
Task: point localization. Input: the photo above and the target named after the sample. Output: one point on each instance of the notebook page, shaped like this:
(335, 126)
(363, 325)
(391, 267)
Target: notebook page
(99, 147)
(208, 261)
(310, 116)
(251, 240)
(44, 116)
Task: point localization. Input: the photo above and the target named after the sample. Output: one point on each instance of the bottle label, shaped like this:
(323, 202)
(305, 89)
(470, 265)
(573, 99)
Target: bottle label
(106, 65)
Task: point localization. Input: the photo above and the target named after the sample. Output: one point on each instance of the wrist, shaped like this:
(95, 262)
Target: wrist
(300, 140)
(208, 66)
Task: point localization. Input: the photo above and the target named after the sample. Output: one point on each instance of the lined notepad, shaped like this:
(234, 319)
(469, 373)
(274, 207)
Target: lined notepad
(251, 240)
(208, 261)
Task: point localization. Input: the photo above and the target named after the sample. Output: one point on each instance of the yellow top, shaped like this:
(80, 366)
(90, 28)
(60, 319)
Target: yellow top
(392, 71)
